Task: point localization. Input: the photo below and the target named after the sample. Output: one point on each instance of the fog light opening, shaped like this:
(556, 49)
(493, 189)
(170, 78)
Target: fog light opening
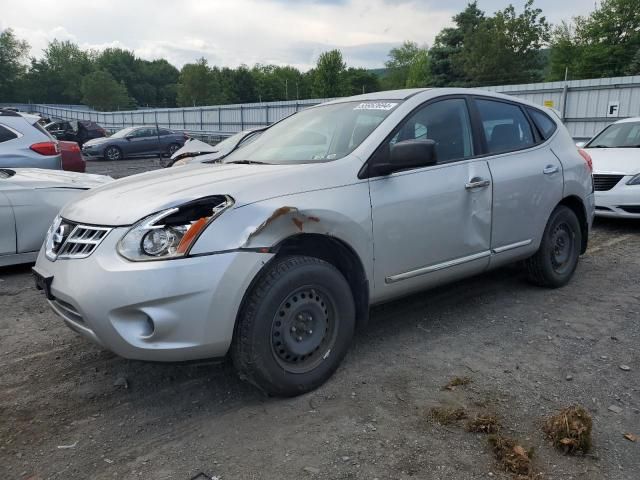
(148, 327)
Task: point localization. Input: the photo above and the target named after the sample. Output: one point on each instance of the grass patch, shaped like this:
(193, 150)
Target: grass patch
(511, 456)
(447, 415)
(483, 423)
(570, 430)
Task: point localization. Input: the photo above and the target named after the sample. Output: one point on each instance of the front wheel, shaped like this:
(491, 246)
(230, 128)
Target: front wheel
(112, 153)
(295, 326)
(556, 260)
(173, 148)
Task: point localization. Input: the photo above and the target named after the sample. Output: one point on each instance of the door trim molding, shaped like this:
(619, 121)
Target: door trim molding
(436, 267)
(511, 246)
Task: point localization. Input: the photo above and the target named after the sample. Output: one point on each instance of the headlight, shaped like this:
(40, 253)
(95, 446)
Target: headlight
(634, 180)
(171, 233)
(180, 163)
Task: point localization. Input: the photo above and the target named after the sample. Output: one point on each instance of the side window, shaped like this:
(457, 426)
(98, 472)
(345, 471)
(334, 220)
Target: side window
(505, 126)
(545, 125)
(445, 122)
(6, 134)
(146, 132)
(164, 131)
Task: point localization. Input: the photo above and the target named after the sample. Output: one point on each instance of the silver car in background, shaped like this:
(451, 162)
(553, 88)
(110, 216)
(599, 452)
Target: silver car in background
(276, 254)
(25, 143)
(30, 198)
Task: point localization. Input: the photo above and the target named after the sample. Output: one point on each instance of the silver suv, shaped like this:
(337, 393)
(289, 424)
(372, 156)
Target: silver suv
(276, 254)
(25, 143)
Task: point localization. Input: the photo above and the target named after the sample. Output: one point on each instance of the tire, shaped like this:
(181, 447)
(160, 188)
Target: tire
(279, 345)
(556, 260)
(172, 148)
(112, 154)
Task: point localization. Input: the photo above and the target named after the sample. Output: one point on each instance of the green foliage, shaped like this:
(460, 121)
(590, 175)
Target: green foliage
(64, 65)
(329, 75)
(407, 67)
(602, 44)
(194, 85)
(360, 80)
(13, 52)
(100, 90)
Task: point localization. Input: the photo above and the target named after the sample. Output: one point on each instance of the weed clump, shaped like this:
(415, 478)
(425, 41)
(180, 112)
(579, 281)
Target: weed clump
(570, 430)
(447, 415)
(512, 456)
(457, 382)
(483, 423)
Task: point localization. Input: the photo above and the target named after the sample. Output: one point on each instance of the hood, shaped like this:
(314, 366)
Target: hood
(193, 147)
(129, 199)
(623, 161)
(42, 178)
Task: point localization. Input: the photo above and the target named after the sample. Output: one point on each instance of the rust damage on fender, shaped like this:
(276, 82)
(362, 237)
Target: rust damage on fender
(298, 220)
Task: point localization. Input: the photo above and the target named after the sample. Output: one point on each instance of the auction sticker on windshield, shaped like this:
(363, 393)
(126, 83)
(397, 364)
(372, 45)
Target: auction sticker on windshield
(375, 106)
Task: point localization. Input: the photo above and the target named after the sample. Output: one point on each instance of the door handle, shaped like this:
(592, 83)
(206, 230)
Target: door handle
(477, 183)
(550, 169)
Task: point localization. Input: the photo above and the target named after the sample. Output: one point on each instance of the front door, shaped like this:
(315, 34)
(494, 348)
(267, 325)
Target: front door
(145, 141)
(433, 223)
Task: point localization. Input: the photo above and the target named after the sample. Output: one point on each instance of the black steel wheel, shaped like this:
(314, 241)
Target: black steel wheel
(294, 327)
(112, 153)
(173, 148)
(556, 260)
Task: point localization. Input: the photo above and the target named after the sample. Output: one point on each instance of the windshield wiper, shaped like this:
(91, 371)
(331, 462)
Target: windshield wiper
(598, 146)
(248, 162)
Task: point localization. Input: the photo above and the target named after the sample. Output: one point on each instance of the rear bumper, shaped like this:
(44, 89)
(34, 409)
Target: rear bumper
(162, 311)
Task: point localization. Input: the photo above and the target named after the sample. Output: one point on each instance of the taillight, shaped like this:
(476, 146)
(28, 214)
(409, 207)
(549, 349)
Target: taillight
(46, 148)
(75, 148)
(587, 158)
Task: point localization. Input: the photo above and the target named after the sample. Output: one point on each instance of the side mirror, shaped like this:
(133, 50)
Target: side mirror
(580, 144)
(407, 154)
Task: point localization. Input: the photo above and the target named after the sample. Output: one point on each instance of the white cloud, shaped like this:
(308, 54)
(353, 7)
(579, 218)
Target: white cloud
(233, 32)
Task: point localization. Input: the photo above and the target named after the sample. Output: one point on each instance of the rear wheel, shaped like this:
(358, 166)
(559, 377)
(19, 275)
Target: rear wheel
(112, 153)
(295, 326)
(173, 148)
(556, 260)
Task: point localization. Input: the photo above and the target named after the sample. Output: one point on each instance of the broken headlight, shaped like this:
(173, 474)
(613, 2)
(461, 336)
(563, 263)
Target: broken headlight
(171, 233)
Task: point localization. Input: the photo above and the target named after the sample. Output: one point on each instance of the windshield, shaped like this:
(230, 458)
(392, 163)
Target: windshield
(618, 135)
(318, 134)
(122, 133)
(230, 143)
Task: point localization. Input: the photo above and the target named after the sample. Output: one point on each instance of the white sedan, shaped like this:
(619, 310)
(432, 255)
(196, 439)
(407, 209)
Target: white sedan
(30, 198)
(615, 152)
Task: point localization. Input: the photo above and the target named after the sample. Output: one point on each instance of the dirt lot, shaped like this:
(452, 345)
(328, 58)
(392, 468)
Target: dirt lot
(69, 410)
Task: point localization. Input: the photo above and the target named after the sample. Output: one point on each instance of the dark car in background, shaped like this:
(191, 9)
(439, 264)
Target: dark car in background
(135, 142)
(79, 131)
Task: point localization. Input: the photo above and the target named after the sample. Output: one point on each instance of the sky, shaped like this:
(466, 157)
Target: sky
(234, 32)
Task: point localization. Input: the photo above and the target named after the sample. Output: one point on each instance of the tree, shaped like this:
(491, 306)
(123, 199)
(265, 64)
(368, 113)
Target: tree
(401, 61)
(445, 65)
(506, 48)
(359, 80)
(66, 64)
(418, 74)
(103, 92)
(328, 76)
(13, 52)
(194, 84)
(602, 44)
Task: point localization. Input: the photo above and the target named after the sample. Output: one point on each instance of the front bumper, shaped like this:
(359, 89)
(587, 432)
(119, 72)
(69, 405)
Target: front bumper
(162, 311)
(622, 201)
(95, 151)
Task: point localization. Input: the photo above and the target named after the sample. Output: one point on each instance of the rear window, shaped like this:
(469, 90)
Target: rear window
(505, 126)
(6, 134)
(40, 128)
(545, 125)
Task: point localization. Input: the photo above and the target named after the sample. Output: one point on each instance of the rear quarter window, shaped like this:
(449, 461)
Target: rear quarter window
(6, 134)
(543, 123)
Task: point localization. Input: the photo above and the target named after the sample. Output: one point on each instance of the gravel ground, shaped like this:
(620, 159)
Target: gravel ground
(69, 410)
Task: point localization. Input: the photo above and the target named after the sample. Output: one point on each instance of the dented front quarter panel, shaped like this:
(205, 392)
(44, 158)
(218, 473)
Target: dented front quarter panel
(341, 212)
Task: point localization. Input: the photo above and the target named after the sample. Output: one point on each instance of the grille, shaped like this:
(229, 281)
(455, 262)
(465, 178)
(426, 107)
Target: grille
(630, 208)
(71, 240)
(602, 183)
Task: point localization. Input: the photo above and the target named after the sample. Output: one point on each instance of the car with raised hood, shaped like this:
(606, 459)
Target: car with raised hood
(135, 142)
(275, 255)
(615, 152)
(197, 151)
(25, 143)
(79, 131)
(30, 198)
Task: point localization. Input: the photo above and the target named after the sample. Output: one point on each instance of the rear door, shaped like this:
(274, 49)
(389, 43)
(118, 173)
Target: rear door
(144, 141)
(433, 223)
(527, 177)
